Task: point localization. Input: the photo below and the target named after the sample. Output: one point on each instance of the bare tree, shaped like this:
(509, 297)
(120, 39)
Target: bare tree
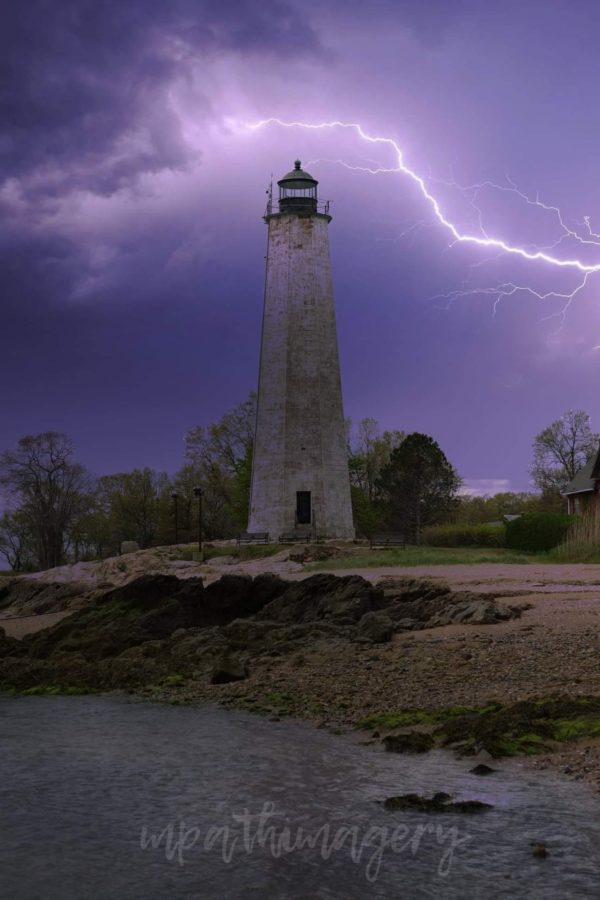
(561, 449)
(46, 485)
(15, 540)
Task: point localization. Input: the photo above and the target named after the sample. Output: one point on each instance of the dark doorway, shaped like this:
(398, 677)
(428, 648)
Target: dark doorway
(303, 507)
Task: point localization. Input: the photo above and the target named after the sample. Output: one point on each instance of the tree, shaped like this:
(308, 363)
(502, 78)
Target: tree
(133, 506)
(561, 449)
(46, 485)
(368, 452)
(15, 541)
(219, 459)
(478, 510)
(419, 486)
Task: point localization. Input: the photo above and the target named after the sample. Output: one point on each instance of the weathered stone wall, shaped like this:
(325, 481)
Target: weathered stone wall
(300, 437)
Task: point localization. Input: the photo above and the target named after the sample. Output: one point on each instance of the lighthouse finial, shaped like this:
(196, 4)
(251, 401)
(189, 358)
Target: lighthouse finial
(297, 164)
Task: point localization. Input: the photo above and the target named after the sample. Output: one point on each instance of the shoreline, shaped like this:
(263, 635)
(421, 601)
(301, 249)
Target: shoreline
(325, 679)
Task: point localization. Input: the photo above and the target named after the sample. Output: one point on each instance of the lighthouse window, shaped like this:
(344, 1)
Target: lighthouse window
(303, 507)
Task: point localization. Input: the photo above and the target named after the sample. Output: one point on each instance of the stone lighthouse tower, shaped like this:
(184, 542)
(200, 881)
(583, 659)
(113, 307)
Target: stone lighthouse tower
(300, 480)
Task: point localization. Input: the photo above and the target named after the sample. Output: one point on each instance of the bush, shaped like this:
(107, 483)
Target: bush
(464, 536)
(537, 532)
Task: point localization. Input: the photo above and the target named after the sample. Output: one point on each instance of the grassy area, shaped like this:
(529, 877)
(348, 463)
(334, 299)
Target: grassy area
(528, 726)
(424, 556)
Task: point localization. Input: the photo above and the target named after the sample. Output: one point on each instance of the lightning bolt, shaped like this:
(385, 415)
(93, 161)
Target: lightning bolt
(583, 235)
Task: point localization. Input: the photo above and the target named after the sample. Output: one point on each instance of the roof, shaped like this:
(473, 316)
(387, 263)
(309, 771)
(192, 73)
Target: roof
(298, 174)
(587, 477)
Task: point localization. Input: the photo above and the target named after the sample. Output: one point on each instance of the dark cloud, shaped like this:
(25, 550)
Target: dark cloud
(78, 75)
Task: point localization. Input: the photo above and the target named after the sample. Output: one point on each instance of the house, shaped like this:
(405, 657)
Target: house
(583, 492)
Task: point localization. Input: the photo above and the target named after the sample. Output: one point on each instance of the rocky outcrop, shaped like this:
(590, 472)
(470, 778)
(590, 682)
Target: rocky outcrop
(28, 596)
(409, 742)
(157, 625)
(418, 603)
(438, 803)
(325, 597)
(375, 627)
(228, 668)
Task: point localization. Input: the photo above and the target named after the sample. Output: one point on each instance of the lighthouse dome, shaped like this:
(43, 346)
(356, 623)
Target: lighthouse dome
(297, 191)
(297, 174)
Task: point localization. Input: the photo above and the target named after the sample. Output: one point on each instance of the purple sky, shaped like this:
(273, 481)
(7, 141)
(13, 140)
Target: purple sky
(132, 191)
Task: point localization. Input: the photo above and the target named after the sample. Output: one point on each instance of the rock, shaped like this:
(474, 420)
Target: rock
(439, 802)
(482, 769)
(409, 742)
(247, 634)
(10, 646)
(407, 624)
(432, 604)
(31, 596)
(129, 547)
(238, 596)
(313, 553)
(228, 668)
(324, 597)
(375, 627)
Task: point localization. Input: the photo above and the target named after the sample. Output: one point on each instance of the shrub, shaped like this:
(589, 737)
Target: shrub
(537, 532)
(464, 536)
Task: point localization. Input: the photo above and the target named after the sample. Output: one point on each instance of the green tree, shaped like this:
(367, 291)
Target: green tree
(369, 452)
(561, 449)
(132, 506)
(419, 486)
(219, 459)
(484, 509)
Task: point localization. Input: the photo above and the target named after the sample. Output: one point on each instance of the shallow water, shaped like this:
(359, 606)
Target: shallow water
(89, 784)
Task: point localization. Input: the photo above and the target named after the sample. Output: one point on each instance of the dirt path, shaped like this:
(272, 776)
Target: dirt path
(490, 577)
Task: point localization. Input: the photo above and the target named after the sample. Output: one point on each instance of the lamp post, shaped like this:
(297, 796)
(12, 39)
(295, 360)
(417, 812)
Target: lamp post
(198, 492)
(175, 498)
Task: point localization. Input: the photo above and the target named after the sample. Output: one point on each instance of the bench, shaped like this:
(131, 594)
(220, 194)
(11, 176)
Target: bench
(253, 537)
(295, 537)
(388, 540)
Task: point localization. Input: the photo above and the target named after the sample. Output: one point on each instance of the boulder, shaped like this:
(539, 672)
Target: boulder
(482, 769)
(228, 668)
(439, 802)
(375, 627)
(324, 597)
(238, 596)
(31, 596)
(409, 742)
(10, 646)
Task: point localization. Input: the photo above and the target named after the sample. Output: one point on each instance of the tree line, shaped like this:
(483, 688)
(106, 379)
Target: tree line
(56, 511)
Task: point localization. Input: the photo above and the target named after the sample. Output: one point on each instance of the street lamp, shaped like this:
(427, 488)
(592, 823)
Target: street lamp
(175, 498)
(198, 492)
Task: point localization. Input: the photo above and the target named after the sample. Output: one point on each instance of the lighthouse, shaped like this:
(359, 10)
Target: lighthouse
(300, 482)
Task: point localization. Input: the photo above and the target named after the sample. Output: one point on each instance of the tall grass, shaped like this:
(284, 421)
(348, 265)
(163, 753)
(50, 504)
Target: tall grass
(582, 543)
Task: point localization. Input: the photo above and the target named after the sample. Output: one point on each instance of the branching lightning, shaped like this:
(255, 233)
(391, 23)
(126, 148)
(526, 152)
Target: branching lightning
(582, 234)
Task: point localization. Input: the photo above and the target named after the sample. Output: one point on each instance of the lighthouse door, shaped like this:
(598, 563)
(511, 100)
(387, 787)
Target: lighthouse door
(303, 507)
